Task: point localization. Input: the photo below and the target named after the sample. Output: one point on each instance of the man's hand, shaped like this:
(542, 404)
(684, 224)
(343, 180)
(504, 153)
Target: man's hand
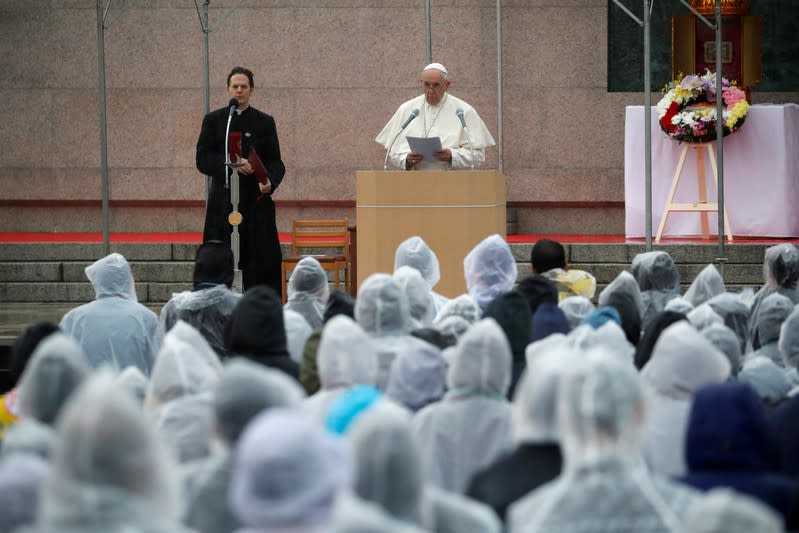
(411, 159)
(246, 169)
(445, 154)
(265, 188)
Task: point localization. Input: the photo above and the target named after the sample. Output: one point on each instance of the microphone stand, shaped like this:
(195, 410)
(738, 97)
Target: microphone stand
(385, 161)
(468, 137)
(234, 218)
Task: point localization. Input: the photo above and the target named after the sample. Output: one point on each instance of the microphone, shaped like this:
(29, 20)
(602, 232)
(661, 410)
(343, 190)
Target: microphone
(459, 112)
(413, 115)
(233, 105)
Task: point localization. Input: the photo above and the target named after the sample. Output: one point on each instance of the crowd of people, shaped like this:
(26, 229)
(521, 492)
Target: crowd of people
(522, 405)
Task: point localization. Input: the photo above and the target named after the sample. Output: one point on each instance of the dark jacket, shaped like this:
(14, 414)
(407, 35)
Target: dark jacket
(513, 476)
(512, 313)
(727, 445)
(256, 331)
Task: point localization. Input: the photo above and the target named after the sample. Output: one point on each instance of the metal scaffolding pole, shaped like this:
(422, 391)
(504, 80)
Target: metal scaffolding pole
(647, 114)
(428, 31)
(500, 152)
(103, 121)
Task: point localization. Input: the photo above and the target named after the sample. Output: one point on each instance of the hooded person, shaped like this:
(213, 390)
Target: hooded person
(418, 376)
(415, 253)
(609, 335)
(682, 362)
(110, 471)
(725, 511)
(773, 311)
(287, 474)
(297, 332)
(768, 380)
(704, 316)
(512, 313)
(244, 390)
(21, 352)
(210, 302)
(659, 280)
(382, 310)
(735, 313)
(726, 341)
(185, 425)
(390, 472)
(576, 308)
(21, 479)
(420, 300)
(347, 357)
(29, 437)
(659, 322)
(780, 274)
(471, 426)
(547, 320)
(707, 284)
(308, 291)
(728, 445)
(463, 306)
(57, 368)
(256, 331)
(788, 344)
(132, 380)
(114, 330)
(626, 285)
(604, 486)
(339, 303)
(186, 365)
(537, 453)
(629, 313)
(679, 304)
(490, 270)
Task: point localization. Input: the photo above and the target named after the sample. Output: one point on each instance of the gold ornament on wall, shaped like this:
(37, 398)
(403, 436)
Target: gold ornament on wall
(728, 7)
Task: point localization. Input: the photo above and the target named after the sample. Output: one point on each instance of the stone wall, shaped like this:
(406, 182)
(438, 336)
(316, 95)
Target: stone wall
(331, 72)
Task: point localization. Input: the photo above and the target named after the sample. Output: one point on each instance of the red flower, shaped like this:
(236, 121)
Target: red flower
(665, 122)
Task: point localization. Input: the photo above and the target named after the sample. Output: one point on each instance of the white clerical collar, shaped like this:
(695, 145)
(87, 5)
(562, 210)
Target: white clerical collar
(242, 110)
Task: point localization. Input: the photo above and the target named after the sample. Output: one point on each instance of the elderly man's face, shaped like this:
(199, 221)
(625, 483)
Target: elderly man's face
(434, 86)
(240, 89)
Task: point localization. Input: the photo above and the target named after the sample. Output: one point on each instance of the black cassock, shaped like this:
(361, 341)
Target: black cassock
(260, 256)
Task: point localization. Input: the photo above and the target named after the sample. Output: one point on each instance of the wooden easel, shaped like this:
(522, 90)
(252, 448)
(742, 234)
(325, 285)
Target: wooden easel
(702, 206)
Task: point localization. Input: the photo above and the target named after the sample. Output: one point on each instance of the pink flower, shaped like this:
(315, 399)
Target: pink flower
(733, 95)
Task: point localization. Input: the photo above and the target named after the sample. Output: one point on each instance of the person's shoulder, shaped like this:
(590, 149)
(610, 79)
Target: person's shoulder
(217, 113)
(458, 102)
(262, 114)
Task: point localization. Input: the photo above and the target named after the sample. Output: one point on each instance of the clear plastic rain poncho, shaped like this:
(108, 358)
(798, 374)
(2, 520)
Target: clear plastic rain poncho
(20, 481)
(726, 341)
(624, 283)
(114, 329)
(382, 310)
(770, 382)
(576, 308)
(288, 473)
(780, 274)
(418, 375)
(679, 304)
(110, 471)
(132, 380)
(659, 280)
(735, 313)
(490, 269)
(308, 290)
(29, 437)
(726, 511)
(297, 332)
(608, 335)
(347, 356)
(186, 365)
(682, 362)
(703, 316)
(707, 284)
(244, 391)
(463, 306)
(207, 310)
(55, 370)
(471, 426)
(185, 425)
(414, 252)
(773, 311)
(605, 486)
(390, 472)
(420, 300)
(789, 341)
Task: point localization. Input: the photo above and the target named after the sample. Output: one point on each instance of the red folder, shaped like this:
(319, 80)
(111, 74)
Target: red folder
(259, 170)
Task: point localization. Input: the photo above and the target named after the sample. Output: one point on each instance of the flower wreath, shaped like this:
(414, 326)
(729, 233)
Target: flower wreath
(687, 111)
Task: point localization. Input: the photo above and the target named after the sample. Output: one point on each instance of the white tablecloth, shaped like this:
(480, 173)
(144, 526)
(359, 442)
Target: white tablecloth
(761, 176)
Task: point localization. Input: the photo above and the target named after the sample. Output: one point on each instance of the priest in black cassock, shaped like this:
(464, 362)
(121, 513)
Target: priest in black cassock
(260, 256)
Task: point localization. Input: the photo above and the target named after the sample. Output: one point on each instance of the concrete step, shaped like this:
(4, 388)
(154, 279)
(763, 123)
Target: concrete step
(82, 292)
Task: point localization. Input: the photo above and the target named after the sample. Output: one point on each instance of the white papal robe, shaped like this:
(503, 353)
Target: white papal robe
(438, 121)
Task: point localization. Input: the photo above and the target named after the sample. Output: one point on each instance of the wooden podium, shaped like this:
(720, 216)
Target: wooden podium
(451, 210)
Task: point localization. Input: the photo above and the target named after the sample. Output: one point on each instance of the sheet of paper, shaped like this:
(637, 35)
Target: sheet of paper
(425, 146)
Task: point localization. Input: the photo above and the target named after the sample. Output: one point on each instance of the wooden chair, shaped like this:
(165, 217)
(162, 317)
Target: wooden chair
(327, 241)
